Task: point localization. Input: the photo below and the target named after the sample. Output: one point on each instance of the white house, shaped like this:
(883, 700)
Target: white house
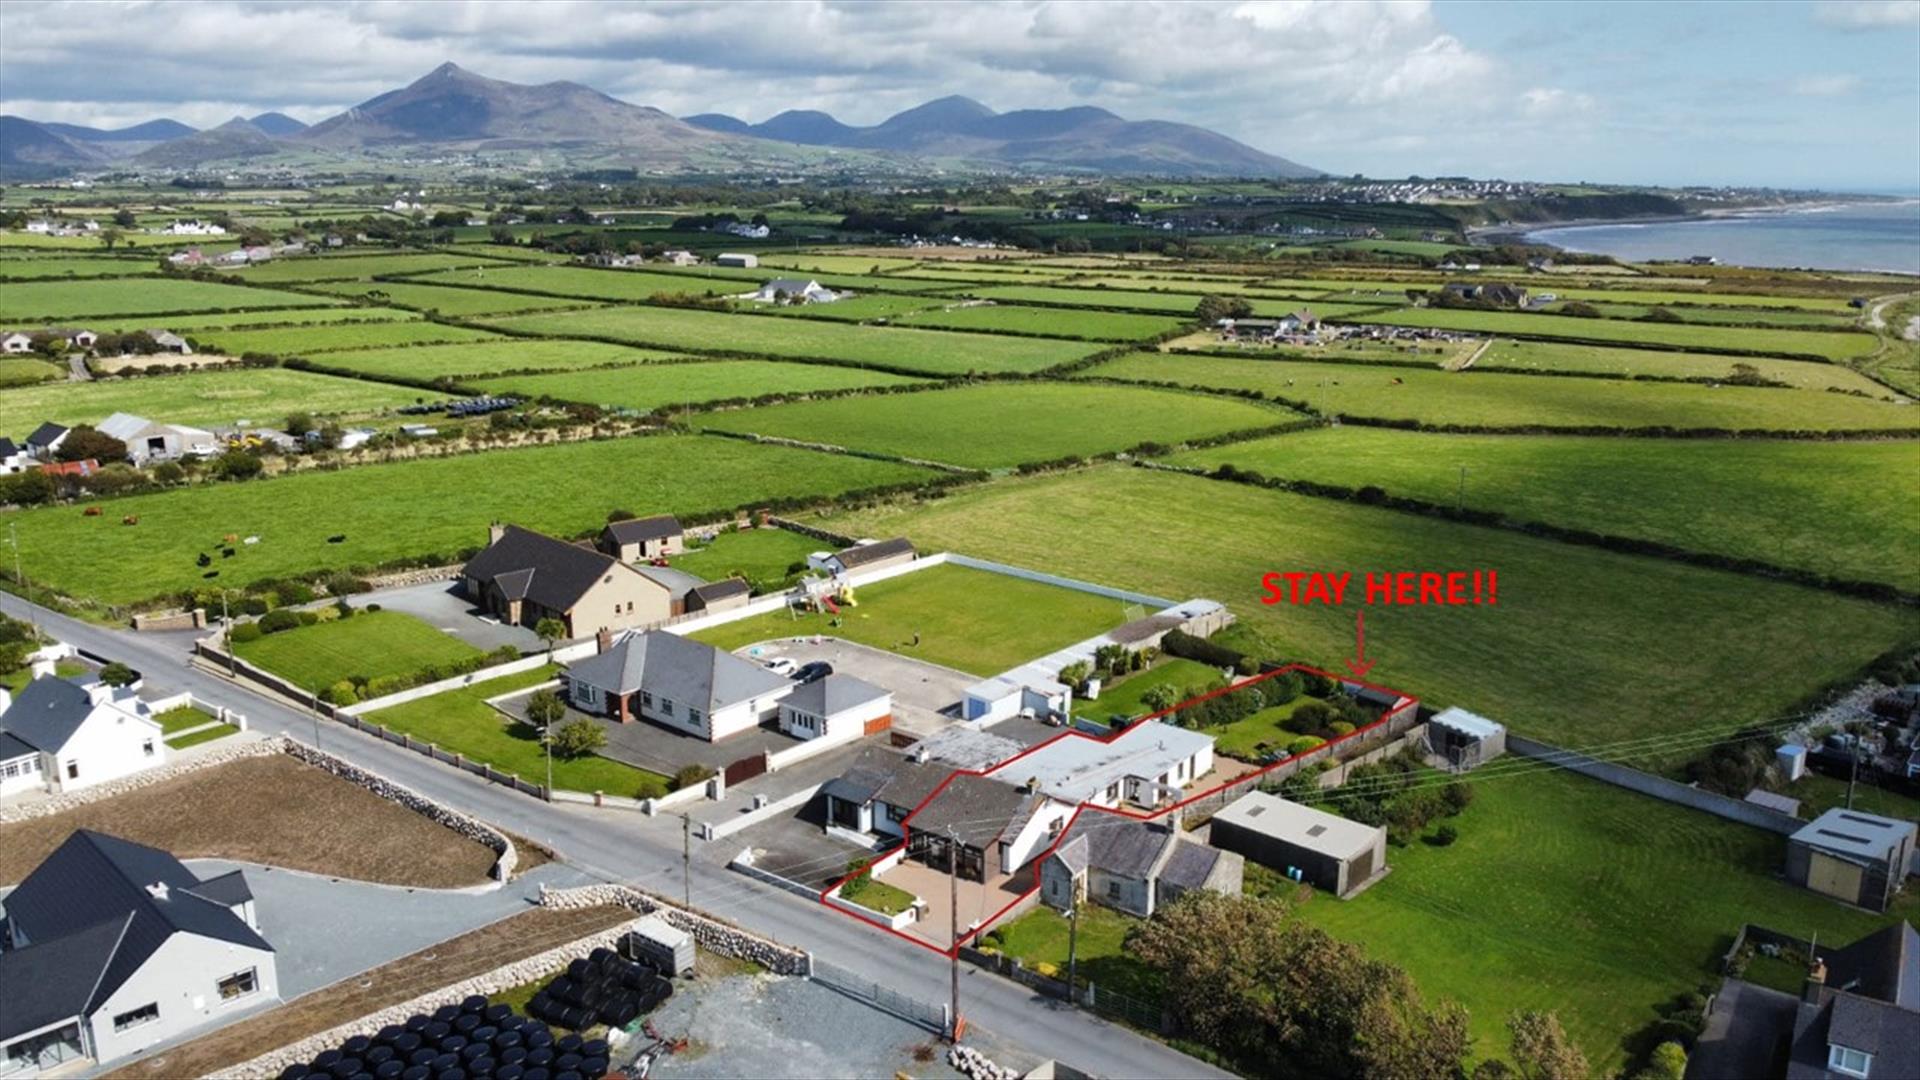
(1147, 765)
(42, 227)
(60, 735)
(192, 227)
(149, 441)
(16, 342)
(168, 341)
(680, 258)
(838, 708)
(1003, 697)
(678, 683)
(13, 458)
(747, 230)
(795, 291)
(111, 948)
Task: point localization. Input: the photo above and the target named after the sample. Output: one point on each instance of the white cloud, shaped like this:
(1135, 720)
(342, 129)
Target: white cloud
(1824, 85)
(1547, 101)
(1868, 14)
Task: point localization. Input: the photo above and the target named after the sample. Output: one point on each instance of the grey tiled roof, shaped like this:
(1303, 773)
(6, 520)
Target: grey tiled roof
(976, 810)
(1884, 964)
(62, 973)
(1124, 846)
(862, 554)
(11, 747)
(47, 712)
(833, 694)
(527, 565)
(720, 590)
(679, 669)
(640, 530)
(1189, 865)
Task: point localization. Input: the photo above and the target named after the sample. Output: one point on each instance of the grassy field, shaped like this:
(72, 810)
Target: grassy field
(1826, 344)
(461, 721)
(190, 325)
(1505, 400)
(205, 735)
(198, 398)
(489, 357)
(1567, 356)
(26, 371)
(1028, 421)
(368, 646)
(438, 507)
(350, 267)
(1816, 506)
(646, 387)
(1046, 322)
(27, 269)
(971, 620)
(1595, 860)
(309, 340)
(1189, 678)
(29, 301)
(872, 307)
(753, 554)
(935, 352)
(444, 299)
(1172, 303)
(1731, 316)
(1656, 649)
(582, 283)
(1041, 937)
(817, 263)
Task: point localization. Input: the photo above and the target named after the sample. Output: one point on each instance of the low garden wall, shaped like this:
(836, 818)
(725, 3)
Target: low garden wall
(754, 817)
(211, 756)
(1155, 602)
(709, 933)
(895, 922)
(1659, 787)
(743, 863)
(514, 974)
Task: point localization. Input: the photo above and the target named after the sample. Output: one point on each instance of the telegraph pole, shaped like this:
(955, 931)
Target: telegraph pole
(20, 575)
(953, 928)
(1073, 941)
(226, 629)
(1853, 771)
(686, 859)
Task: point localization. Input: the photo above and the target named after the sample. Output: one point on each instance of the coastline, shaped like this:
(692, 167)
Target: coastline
(1517, 232)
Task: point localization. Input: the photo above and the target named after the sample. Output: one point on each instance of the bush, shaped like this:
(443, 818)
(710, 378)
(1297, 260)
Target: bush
(1444, 836)
(341, 583)
(117, 674)
(254, 605)
(273, 622)
(1182, 644)
(244, 633)
(289, 593)
(1457, 796)
(309, 618)
(578, 738)
(1047, 969)
(1305, 743)
(1310, 716)
(689, 775)
(1282, 688)
(1340, 727)
(373, 607)
(341, 693)
(383, 685)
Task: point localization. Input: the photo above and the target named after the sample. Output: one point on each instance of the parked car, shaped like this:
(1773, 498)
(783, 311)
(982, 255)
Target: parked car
(780, 665)
(813, 672)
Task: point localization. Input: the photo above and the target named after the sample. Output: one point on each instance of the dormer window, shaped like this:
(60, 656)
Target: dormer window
(1845, 1059)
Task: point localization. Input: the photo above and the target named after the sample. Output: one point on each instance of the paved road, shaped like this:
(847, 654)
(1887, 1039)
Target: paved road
(629, 847)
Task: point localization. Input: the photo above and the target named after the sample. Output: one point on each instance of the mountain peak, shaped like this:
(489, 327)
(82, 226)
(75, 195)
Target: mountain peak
(944, 114)
(445, 71)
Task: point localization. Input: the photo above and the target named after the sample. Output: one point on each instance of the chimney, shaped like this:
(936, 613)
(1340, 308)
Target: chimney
(494, 532)
(158, 890)
(919, 755)
(1816, 985)
(603, 639)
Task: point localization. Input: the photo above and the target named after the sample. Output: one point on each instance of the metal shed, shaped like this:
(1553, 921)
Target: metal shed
(661, 944)
(1464, 740)
(1326, 851)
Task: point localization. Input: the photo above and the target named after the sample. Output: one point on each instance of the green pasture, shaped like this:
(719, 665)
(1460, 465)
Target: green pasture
(192, 325)
(28, 301)
(355, 267)
(310, 340)
(1045, 322)
(1553, 356)
(489, 357)
(197, 398)
(444, 299)
(369, 645)
(29, 269)
(1825, 344)
(674, 386)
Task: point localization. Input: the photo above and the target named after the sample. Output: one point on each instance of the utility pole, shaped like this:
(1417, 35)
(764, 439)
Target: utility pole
(1853, 772)
(20, 575)
(226, 629)
(953, 929)
(1460, 496)
(547, 737)
(1073, 954)
(686, 859)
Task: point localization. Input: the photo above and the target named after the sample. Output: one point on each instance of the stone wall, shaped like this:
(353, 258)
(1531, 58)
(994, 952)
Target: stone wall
(838, 540)
(1659, 787)
(39, 808)
(514, 974)
(403, 579)
(709, 933)
(469, 827)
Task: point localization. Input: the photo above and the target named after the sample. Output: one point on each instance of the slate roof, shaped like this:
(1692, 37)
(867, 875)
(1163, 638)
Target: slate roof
(7, 448)
(1190, 864)
(1123, 846)
(11, 747)
(46, 435)
(834, 694)
(1884, 964)
(976, 810)
(862, 554)
(93, 881)
(62, 972)
(1888, 1032)
(870, 771)
(639, 530)
(47, 712)
(682, 670)
(527, 565)
(720, 590)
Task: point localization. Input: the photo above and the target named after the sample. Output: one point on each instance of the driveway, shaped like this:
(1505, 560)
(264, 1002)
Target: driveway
(650, 746)
(926, 697)
(438, 605)
(797, 847)
(1745, 1033)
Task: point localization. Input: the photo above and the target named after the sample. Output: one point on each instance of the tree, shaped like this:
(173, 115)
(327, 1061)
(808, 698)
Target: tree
(117, 674)
(545, 709)
(1669, 1062)
(237, 465)
(550, 630)
(1401, 1039)
(124, 218)
(1211, 309)
(578, 738)
(1541, 1050)
(84, 442)
(110, 237)
(298, 424)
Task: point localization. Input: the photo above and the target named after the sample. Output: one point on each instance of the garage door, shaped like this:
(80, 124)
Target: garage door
(1833, 877)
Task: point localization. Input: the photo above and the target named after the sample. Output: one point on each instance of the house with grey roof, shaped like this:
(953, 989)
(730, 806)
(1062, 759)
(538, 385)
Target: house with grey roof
(523, 577)
(1132, 865)
(111, 947)
(1147, 765)
(719, 595)
(1306, 844)
(1852, 856)
(59, 735)
(45, 440)
(681, 684)
(838, 708)
(639, 539)
(795, 291)
(865, 555)
(1859, 1011)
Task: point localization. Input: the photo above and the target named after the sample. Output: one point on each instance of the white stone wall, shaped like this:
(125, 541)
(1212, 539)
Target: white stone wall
(214, 756)
(710, 933)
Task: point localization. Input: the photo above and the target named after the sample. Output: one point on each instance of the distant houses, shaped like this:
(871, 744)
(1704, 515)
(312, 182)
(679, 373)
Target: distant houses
(865, 555)
(148, 441)
(795, 291)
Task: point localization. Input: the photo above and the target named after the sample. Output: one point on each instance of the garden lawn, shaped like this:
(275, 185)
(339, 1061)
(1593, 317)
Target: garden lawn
(877, 895)
(1250, 738)
(1188, 678)
(970, 620)
(1823, 344)
(308, 340)
(462, 722)
(179, 719)
(1046, 322)
(445, 300)
(436, 509)
(1584, 647)
(198, 398)
(1490, 399)
(16, 680)
(1563, 891)
(651, 387)
(1819, 506)
(753, 554)
(34, 301)
(1041, 937)
(996, 425)
(934, 352)
(206, 735)
(1555, 356)
(488, 357)
(369, 645)
(349, 267)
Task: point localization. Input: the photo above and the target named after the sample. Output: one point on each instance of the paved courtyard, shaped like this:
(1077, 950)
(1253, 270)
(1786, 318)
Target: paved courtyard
(796, 847)
(978, 901)
(438, 605)
(926, 697)
(651, 746)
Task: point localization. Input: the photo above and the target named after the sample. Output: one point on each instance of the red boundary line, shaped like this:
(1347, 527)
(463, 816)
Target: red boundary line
(1403, 703)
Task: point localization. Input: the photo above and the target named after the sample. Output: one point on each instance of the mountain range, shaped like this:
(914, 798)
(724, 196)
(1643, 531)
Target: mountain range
(453, 110)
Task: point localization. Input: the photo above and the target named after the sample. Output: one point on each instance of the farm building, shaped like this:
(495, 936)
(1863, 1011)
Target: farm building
(149, 441)
(123, 948)
(1464, 740)
(676, 682)
(1132, 865)
(643, 538)
(524, 576)
(865, 555)
(795, 291)
(736, 260)
(718, 595)
(45, 440)
(839, 708)
(61, 735)
(680, 258)
(1326, 851)
(1853, 856)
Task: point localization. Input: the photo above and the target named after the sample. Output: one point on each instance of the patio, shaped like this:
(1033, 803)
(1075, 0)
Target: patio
(978, 901)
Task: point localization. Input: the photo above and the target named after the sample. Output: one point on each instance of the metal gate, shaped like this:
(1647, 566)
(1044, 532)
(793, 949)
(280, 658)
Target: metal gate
(746, 769)
(912, 1010)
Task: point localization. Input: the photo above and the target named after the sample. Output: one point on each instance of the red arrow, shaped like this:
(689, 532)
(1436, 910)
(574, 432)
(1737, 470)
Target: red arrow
(1360, 665)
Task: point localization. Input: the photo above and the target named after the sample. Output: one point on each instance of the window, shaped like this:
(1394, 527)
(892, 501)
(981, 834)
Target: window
(646, 699)
(145, 1014)
(148, 747)
(693, 717)
(1845, 1059)
(73, 770)
(666, 707)
(1113, 890)
(238, 984)
(1113, 791)
(896, 813)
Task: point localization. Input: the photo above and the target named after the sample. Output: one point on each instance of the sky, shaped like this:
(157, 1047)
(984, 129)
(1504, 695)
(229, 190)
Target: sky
(1788, 94)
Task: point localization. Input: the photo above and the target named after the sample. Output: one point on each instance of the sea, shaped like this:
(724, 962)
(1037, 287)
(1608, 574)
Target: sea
(1879, 236)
